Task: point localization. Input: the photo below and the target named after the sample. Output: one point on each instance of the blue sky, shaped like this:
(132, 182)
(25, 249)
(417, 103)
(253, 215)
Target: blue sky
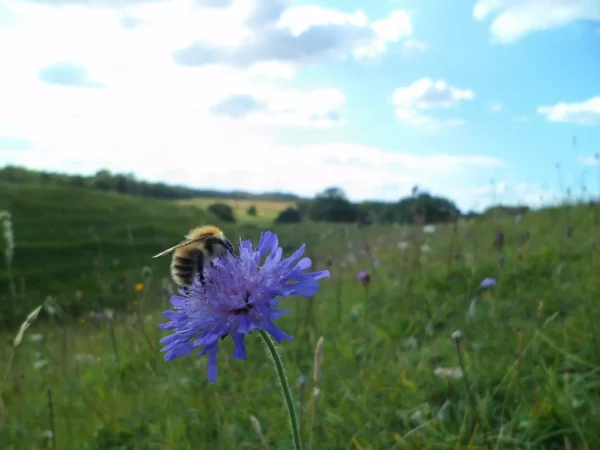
(476, 100)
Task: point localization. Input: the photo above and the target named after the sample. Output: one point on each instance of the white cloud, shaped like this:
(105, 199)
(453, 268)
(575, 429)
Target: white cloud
(158, 118)
(320, 108)
(65, 73)
(514, 19)
(177, 153)
(272, 69)
(388, 31)
(591, 160)
(479, 197)
(301, 36)
(106, 55)
(300, 19)
(168, 136)
(582, 113)
(427, 94)
(414, 45)
(534, 195)
(495, 107)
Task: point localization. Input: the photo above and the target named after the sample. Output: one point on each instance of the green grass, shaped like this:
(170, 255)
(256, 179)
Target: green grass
(69, 240)
(530, 343)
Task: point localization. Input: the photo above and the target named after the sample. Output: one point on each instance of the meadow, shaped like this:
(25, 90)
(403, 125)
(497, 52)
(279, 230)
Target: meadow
(423, 356)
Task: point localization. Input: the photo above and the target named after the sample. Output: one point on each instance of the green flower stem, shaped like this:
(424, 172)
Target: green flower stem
(285, 387)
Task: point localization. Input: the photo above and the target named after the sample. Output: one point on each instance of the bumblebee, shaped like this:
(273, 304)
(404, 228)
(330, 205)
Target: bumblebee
(202, 245)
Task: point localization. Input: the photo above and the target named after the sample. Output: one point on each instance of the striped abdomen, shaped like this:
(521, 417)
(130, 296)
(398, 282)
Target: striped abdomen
(184, 267)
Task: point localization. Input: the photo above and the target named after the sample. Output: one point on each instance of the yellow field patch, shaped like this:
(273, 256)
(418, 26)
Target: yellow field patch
(266, 209)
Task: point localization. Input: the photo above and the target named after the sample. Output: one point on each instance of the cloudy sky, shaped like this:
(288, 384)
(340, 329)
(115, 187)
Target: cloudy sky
(482, 101)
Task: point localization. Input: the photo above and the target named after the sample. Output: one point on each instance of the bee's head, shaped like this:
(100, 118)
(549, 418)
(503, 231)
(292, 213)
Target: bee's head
(229, 247)
(226, 245)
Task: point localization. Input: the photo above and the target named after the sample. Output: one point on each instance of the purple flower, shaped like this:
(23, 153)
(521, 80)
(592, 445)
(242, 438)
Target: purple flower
(487, 282)
(238, 296)
(363, 276)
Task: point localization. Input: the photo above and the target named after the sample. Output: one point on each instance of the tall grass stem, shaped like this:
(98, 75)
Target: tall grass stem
(474, 403)
(51, 417)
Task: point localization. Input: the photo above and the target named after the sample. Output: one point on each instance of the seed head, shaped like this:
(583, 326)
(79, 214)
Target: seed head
(457, 335)
(318, 361)
(256, 425)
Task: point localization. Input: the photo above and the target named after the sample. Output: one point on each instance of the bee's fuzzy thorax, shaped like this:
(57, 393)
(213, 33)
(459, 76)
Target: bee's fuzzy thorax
(207, 243)
(205, 230)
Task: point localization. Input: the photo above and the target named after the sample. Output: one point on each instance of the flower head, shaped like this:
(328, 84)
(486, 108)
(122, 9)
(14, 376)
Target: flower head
(487, 283)
(429, 229)
(449, 373)
(363, 276)
(238, 296)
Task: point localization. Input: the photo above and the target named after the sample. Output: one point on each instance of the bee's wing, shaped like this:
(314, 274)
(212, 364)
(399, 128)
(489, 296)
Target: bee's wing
(181, 244)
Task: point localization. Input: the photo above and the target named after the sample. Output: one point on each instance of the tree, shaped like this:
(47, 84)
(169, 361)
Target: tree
(251, 211)
(433, 209)
(222, 211)
(289, 215)
(104, 180)
(333, 193)
(332, 206)
(76, 180)
(303, 206)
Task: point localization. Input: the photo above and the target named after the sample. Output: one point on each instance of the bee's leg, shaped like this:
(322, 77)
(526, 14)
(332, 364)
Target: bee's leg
(200, 267)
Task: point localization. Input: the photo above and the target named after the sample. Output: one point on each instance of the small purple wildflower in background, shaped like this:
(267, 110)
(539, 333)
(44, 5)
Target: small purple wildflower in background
(238, 297)
(487, 283)
(363, 276)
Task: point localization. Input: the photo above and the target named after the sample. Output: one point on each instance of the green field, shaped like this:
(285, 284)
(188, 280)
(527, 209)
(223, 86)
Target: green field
(530, 348)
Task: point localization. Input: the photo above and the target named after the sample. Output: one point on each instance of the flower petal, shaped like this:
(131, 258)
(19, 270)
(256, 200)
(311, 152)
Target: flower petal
(182, 349)
(213, 370)
(239, 351)
(303, 264)
(178, 302)
(277, 334)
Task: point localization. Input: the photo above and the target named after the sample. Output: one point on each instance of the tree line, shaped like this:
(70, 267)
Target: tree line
(331, 205)
(105, 180)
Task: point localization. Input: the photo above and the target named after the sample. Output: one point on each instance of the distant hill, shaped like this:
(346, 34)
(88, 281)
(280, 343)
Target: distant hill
(104, 180)
(88, 240)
